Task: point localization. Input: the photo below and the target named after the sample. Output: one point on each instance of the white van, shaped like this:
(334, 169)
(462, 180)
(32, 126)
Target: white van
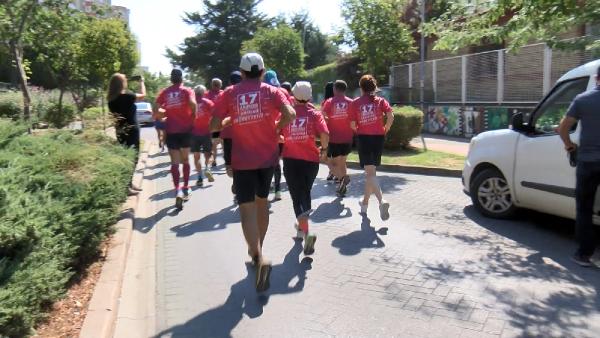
(526, 166)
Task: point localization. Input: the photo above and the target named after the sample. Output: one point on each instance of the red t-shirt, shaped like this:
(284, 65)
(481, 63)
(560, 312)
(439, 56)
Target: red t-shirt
(203, 116)
(300, 134)
(225, 132)
(254, 108)
(212, 94)
(175, 100)
(336, 109)
(368, 113)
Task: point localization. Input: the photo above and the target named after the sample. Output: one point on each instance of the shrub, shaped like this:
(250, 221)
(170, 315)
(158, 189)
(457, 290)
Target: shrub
(408, 123)
(11, 105)
(59, 192)
(59, 118)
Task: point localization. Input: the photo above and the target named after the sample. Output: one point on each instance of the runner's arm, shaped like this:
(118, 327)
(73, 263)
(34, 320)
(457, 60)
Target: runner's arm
(564, 130)
(288, 114)
(389, 119)
(142, 94)
(158, 113)
(216, 124)
(324, 145)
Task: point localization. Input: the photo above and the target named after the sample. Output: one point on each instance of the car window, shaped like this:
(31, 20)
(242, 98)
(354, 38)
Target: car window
(142, 105)
(555, 107)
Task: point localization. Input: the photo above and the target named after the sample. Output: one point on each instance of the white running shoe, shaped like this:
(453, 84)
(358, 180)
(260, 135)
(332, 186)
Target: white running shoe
(209, 175)
(384, 210)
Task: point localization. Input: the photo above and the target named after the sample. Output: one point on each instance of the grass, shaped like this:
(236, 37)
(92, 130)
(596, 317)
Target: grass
(420, 158)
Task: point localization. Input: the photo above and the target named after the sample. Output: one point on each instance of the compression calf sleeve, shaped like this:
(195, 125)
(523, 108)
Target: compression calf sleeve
(175, 175)
(186, 174)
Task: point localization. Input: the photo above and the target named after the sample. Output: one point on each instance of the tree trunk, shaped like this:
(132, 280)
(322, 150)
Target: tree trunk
(22, 78)
(60, 99)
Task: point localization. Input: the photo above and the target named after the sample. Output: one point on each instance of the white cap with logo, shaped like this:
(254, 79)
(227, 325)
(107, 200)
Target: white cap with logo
(302, 91)
(252, 59)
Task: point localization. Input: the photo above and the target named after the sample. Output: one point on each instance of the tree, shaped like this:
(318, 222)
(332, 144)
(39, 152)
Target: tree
(281, 49)
(222, 28)
(516, 23)
(318, 47)
(375, 28)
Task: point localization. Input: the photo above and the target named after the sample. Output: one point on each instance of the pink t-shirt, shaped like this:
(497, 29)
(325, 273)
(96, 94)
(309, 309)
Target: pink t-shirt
(300, 134)
(336, 109)
(368, 113)
(225, 132)
(212, 94)
(175, 100)
(203, 116)
(254, 108)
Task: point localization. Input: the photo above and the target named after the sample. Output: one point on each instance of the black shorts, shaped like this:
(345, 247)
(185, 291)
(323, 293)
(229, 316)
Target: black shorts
(227, 150)
(370, 148)
(179, 140)
(201, 144)
(339, 149)
(216, 134)
(252, 183)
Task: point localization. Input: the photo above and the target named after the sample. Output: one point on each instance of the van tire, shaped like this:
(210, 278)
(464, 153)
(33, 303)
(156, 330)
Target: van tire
(491, 194)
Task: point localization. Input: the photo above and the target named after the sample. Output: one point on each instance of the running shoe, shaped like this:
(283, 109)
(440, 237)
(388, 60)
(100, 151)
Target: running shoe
(330, 177)
(179, 200)
(299, 233)
(277, 196)
(343, 187)
(384, 211)
(214, 164)
(186, 194)
(200, 182)
(363, 207)
(309, 244)
(209, 175)
(263, 274)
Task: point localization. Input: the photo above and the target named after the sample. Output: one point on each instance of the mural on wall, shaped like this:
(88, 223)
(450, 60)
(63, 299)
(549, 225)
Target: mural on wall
(444, 120)
(474, 121)
(496, 118)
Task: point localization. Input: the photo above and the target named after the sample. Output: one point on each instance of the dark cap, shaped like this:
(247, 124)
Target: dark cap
(176, 75)
(235, 77)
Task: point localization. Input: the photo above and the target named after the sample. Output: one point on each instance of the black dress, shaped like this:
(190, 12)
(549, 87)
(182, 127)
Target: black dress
(124, 111)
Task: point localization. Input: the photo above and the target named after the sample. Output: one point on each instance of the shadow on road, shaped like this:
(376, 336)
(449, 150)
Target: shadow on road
(331, 210)
(212, 222)
(144, 225)
(243, 299)
(365, 238)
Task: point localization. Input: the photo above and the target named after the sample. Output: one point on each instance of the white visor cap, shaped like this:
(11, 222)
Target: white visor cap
(252, 59)
(302, 91)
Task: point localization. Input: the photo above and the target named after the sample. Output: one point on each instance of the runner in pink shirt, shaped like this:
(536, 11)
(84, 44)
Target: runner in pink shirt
(215, 90)
(367, 119)
(234, 78)
(301, 158)
(178, 104)
(335, 110)
(201, 140)
(252, 108)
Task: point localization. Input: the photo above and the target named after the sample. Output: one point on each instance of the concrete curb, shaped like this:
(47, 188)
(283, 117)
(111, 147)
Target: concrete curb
(429, 171)
(102, 310)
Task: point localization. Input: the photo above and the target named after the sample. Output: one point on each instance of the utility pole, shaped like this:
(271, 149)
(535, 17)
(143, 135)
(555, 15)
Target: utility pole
(422, 68)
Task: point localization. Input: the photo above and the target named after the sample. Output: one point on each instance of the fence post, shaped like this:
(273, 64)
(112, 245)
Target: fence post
(547, 70)
(434, 79)
(463, 79)
(500, 76)
(391, 79)
(410, 76)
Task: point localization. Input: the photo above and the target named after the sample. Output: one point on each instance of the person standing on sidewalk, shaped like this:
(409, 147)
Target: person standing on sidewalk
(178, 104)
(585, 108)
(201, 140)
(367, 119)
(121, 103)
(301, 158)
(215, 90)
(253, 107)
(335, 111)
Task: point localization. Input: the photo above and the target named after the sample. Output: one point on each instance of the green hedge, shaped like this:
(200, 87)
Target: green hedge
(408, 123)
(59, 192)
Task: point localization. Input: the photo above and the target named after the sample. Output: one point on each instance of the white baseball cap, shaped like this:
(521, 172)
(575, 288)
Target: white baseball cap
(302, 91)
(252, 59)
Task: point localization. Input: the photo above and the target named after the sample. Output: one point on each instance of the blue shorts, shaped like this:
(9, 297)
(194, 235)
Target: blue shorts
(158, 124)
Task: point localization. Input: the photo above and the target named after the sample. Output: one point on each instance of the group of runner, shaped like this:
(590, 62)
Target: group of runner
(261, 121)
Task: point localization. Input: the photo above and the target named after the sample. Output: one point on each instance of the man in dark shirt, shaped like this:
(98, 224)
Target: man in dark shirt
(585, 108)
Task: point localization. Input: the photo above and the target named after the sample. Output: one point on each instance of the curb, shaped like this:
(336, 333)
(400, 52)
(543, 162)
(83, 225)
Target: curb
(395, 168)
(102, 310)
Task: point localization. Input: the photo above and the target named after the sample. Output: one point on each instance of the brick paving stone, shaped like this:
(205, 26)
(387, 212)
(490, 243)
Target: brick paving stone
(439, 268)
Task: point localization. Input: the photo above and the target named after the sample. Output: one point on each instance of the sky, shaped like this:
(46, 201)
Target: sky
(158, 25)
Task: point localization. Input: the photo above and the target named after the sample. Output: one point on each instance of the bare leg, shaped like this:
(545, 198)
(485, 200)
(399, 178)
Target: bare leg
(373, 183)
(250, 228)
(262, 217)
(197, 163)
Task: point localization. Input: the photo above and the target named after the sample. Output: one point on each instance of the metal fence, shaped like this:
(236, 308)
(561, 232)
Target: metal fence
(495, 77)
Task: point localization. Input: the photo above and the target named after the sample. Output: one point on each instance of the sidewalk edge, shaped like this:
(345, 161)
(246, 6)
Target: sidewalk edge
(102, 310)
(428, 171)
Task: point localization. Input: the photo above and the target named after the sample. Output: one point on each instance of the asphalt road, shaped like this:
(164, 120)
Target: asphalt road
(435, 269)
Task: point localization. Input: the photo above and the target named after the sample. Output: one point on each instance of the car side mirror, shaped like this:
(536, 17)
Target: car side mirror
(516, 122)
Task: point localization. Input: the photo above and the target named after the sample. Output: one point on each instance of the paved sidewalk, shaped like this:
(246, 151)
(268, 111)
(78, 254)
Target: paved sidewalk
(444, 144)
(435, 269)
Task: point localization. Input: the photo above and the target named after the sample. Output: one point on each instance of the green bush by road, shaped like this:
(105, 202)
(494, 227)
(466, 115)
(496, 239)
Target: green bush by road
(59, 194)
(408, 123)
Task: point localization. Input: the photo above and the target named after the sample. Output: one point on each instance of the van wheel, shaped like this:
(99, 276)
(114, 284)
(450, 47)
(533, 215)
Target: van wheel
(491, 194)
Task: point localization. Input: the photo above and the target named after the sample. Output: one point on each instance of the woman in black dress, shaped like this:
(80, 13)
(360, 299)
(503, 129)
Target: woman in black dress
(121, 103)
